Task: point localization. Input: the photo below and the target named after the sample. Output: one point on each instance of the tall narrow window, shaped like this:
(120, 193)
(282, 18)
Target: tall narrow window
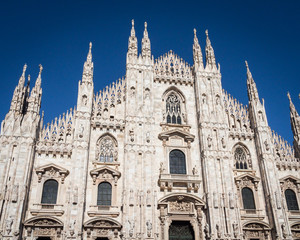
(107, 149)
(240, 158)
(291, 200)
(49, 195)
(104, 194)
(173, 109)
(177, 162)
(248, 198)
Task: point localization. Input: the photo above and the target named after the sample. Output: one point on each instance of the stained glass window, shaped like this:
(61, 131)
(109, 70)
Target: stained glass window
(240, 158)
(248, 198)
(173, 109)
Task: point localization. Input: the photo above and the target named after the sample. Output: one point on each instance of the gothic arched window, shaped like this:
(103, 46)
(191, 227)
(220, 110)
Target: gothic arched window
(50, 189)
(240, 158)
(107, 149)
(104, 194)
(177, 162)
(248, 198)
(173, 109)
(291, 200)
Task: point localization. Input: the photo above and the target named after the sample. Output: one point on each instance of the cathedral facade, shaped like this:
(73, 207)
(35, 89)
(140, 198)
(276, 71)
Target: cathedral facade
(163, 153)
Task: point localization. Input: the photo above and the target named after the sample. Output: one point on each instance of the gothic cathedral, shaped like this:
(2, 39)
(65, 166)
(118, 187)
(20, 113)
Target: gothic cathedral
(163, 153)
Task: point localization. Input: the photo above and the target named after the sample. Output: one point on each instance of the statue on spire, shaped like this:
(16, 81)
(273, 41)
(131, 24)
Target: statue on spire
(210, 55)
(132, 42)
(88, 67)
(146, 47)
(197, 53)
(251, 86)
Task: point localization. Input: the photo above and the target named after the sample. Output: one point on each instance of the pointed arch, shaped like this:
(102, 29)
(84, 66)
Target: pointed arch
(106, 148)
(174, 108)
(241, 156)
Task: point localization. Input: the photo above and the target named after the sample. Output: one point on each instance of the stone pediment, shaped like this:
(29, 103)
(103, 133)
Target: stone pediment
(105, 172)
(102, 222)
(43, 221)
(52, 171)
(290, 178)
(247, 176)
(183, 197)
(247, 180)
(176, 132)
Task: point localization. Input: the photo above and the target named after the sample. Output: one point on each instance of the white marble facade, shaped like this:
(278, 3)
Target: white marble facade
(124, 136)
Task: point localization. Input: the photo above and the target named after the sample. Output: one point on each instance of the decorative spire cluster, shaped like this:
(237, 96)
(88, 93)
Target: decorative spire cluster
(109, 97)
(146, 46)
(34, 101)
(198, 58)
(132, 42)
(170, 66)
(60, 130)
(88, 67)
(210, 55)
(251, 86)
(237, 113)
(295, 125)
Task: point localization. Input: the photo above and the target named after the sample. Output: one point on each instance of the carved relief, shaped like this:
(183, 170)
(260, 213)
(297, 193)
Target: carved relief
(107, 149)
(51, 171)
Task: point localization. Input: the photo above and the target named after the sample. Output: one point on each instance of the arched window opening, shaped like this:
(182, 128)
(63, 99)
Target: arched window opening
(107, 149)
(248, 198)
(104, 194)
(291, 200)
(50, 189)
(173, 109)
(240, 158)
(177, 162)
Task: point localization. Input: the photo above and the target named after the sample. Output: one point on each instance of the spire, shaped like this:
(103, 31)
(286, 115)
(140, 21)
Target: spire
(38, 81)
(198, 59)
(210, 55)
(146, 47)
(88, 67)
(132, 42)
(22, 78)
(295, 120)
(251, 86)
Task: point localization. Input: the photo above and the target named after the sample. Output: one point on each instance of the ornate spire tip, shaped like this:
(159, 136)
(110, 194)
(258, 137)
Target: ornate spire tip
(145, 25)
(195, 31)
(24, 68)
(90, 45)
(289, 96)
(41, 68)
(132, 22)
(246, 64)
(206, 32)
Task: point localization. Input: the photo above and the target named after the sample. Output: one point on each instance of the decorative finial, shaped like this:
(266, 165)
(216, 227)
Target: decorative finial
(41, 69)
(195, 31)
(132, 22)
(24, 69)
(91, 46)
(28, 82)
(145, 25)
(289, 96)
(206, 32)
(246, 64)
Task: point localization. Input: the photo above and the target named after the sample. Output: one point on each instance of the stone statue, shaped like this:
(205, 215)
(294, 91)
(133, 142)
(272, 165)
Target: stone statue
(72, 227)
(161, 169)
(223, 142)
(219, 234)
(8, 224)
(206, 230)
(284, 231)
(131, 227)
(195, 171)
(235, 229)
(131, 135)
(149, 228)
(209, 141)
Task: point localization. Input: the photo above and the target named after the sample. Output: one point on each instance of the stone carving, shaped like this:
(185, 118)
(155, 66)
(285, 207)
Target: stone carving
(267, 145)
(219, 234)
(179, 206)
(149, 228)
(209, 141)
(72, 227)
(223, 142)
(235, 228)
(131, 227)
(131, 135)
(206, 231)
(284, 230)
(162, 168)
(195, 171)
(15, 193)
(81, 130)
(8, 224)
(278, 200)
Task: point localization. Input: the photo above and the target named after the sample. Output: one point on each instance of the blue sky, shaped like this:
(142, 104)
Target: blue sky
(57, 33)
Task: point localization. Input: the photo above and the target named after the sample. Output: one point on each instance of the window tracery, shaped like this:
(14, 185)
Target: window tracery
(173, 109)
(107, 150)
(241, 158)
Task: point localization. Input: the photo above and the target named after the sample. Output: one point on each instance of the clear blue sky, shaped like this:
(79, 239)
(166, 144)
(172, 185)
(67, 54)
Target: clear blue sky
(57, 33)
